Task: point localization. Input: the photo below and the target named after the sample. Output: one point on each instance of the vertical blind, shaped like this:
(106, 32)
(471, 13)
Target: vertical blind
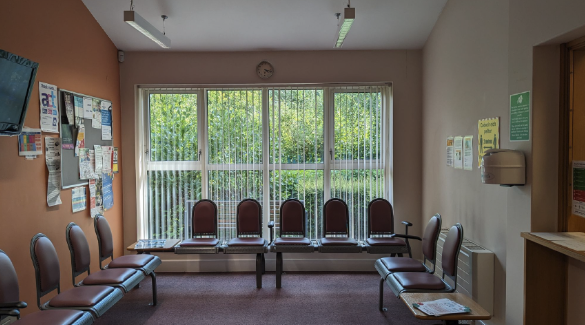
(319, 142)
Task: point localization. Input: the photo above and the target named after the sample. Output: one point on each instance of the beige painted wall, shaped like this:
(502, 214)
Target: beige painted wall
(402, 68)
(48, 34)
(479, 53)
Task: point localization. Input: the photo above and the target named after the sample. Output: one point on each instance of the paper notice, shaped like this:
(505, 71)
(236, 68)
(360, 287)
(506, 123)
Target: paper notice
(78, 199)
(85, 167)
(87, 108)
(99, 203)
(106, 120)
(92, 164)
(458, 152)
(80, 142)
(69, 109)
(78, 104)
(107, 154)
(98, 159)
(92, 193)
(468, 152)
(450, 151)
(49, 108)
(107, 191)
(96, 120)
(30, 142)
(115, 161)
(53, 161)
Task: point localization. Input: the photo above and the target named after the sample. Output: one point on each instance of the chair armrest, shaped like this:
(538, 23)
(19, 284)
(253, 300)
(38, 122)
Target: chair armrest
(13, 304)
(271, 227)
(407, 223)
(10, 312)
(407, 237)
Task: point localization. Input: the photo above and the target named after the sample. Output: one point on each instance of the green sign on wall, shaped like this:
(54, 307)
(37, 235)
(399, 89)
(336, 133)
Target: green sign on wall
(520, 117)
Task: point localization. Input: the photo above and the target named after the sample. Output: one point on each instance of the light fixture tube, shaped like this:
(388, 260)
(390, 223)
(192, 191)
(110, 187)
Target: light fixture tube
(135, 20)
(346, 22)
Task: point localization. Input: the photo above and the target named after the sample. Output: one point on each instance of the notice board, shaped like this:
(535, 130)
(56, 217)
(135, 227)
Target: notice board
(69, 162)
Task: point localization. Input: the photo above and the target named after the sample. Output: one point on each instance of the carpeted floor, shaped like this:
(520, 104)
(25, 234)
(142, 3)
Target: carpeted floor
(232, 298)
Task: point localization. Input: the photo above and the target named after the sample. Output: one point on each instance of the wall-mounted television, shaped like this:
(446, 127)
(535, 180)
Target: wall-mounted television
(17, 79)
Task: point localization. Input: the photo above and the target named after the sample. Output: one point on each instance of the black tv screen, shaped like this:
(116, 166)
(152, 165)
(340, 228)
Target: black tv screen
(17, 79)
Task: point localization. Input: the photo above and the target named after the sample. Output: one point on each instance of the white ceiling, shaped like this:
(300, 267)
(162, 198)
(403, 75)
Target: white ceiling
(251, 25)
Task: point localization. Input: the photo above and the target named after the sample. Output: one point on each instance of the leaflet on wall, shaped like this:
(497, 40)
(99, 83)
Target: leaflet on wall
(85, 168)
(99, 203)
(30, 143)
(458, 152)
(78, 104)
(107, 191)
(488, 135)
(69, 117)
(53, 161)
(98, 159)
(115, 161)
(107, 154)
(92, 193)
(450, 151)
(49, 107)
(87, 108)
(106, 120)
(96, 120)
(80, 142)
(579, 188)
(468, 152)
(67, 132)
(78, 199)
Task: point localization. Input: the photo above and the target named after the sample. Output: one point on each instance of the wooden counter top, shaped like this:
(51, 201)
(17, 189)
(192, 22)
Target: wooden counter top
(571, 244)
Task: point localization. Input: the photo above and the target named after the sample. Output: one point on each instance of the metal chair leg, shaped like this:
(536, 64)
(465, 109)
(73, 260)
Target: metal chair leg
(278, 269)
(258, 270)
(263, 264)
(154, 298)
(381, 302)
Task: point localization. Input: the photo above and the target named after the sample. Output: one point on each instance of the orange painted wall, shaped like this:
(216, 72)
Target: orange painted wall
(74, 53)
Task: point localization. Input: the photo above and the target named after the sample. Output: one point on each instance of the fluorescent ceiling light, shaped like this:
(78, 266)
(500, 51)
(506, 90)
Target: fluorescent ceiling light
(135, 20)
(346, 22)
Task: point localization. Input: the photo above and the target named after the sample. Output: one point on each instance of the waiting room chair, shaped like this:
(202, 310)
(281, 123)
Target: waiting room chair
(95, 299)
(335, 237)
(292, 239)
(10, 303)
(123, 278)
(380, 230)
(249, 235)
(400, 282)
(144, 262)
(387, 265)
(204, 229)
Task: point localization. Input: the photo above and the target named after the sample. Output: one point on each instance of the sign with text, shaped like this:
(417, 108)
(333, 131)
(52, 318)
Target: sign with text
(488, 136)
(520, 117)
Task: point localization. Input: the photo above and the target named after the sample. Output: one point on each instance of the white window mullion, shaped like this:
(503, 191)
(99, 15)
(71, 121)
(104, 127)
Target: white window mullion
(265, 162)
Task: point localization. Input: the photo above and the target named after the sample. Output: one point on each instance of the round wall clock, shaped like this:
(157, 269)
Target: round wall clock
(264, 70)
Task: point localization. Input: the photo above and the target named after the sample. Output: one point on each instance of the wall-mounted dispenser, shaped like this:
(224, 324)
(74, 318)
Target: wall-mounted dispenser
(503, 166)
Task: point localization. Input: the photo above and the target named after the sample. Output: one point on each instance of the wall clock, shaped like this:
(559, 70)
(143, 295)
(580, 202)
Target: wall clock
(264, 70)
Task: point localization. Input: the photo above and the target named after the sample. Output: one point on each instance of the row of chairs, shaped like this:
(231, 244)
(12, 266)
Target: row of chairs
(410, 275)
(88, 299)
(292, 238)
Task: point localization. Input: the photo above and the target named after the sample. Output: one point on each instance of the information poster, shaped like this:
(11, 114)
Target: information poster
(80, 142)
(115, 161)
(579, 188)
(53, 161)
(78, 199)
(96, 120)
(78, 102)
(468, 152)
(30, 143)
(107, 191)
(85, 167)
(458, 152)
(450, 151)
(87, 108)
(92, 198)
(69, 109)
(106, 120)
(49, 108)
(488, 136)
(520, 117)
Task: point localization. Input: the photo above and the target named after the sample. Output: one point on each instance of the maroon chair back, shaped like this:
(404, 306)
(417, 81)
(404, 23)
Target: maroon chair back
(204, 219)
(9, 291)
(430, 238)
(451, 250)
(79, 250)
(380, 217)
(335, 218)
(249, 218)
(46, 263)
(104, 237)
(292, 218)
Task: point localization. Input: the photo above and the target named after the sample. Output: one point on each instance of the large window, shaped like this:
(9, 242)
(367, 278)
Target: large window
(270, 144)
